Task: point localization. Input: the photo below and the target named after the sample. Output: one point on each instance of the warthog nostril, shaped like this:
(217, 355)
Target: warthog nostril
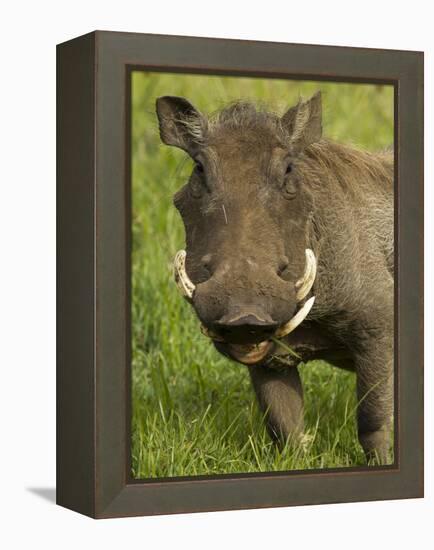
(283, 264)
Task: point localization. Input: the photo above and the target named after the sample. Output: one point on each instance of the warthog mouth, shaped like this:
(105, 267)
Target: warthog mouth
(249, 354)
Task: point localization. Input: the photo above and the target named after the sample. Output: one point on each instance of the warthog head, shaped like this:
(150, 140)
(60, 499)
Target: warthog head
(247, 268)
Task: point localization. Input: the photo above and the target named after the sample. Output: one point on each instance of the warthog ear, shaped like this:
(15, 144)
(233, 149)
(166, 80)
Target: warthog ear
(304, 122)
(181, 125)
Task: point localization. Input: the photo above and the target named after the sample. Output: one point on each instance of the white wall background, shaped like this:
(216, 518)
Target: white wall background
(29, 32)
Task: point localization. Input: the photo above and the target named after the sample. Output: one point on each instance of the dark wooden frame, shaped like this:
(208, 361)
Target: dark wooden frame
(93, 366)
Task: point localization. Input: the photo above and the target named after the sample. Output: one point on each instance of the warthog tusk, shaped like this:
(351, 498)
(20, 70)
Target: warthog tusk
(304, 284)
(181, 278)
(298, 318)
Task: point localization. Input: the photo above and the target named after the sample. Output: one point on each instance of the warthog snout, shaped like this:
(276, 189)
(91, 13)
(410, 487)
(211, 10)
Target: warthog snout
(250, 306)
(244, 301)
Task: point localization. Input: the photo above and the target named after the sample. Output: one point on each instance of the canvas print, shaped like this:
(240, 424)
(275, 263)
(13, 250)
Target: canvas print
(262, 275)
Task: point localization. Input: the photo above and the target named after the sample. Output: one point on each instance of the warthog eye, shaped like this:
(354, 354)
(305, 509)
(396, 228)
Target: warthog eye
(196, 180)
(196, 188)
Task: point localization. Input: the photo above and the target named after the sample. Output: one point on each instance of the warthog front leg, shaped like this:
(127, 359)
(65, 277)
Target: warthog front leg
(375, 408)
(280, 396)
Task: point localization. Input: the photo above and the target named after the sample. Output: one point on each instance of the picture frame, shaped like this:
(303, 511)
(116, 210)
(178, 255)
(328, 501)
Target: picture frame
(93, 281)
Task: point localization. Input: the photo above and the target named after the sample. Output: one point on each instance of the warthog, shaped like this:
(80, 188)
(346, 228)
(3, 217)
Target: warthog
(289, 237)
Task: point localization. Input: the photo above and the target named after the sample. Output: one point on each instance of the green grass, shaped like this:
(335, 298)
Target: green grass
(194, 412)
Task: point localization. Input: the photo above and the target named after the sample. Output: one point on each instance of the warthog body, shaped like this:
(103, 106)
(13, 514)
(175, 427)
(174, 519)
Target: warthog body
(264, 190)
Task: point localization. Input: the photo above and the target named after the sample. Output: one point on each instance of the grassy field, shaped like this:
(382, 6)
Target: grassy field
(194, 412)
